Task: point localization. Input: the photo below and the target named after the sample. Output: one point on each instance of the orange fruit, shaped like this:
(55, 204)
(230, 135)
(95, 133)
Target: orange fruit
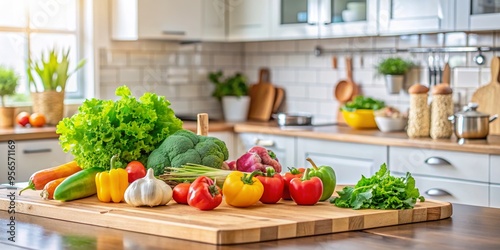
(23, 118)
(37, 120)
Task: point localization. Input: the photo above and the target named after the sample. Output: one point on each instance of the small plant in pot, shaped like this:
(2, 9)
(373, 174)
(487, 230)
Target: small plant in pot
(8, 83)
(394, 70)
(48, 76)
(232, 91)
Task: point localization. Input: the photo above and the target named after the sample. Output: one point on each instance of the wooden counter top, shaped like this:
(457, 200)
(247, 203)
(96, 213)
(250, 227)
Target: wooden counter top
(470, 227)
(20, 133)
(331, 132)
(344, 133)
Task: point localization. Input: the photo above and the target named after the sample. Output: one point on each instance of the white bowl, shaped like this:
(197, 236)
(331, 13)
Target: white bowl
(353, 15)
(389, 124)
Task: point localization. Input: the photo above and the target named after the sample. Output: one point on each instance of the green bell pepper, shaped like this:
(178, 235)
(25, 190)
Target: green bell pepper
(327, 176)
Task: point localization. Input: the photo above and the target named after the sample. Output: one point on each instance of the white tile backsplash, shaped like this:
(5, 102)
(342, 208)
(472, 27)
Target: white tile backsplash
(180, 71)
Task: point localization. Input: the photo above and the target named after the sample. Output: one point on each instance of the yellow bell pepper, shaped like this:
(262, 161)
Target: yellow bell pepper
(242, 189)
(111, 185)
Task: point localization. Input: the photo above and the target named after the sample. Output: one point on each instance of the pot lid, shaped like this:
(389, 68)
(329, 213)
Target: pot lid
(470, 110)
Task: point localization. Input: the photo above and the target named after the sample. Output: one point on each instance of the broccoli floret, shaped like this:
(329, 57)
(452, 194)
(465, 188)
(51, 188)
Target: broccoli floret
(184, 147)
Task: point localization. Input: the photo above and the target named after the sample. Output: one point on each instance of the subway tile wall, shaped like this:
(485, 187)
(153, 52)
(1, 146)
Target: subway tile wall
(180, 71)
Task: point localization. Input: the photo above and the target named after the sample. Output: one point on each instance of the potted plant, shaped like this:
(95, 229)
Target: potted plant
(48, 77)
(394, 70)
(232, 91)
(8, 83)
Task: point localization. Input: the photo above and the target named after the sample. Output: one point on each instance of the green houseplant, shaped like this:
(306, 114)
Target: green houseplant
(394, 70)
(8, 83)
(232, 91)
(48, 76)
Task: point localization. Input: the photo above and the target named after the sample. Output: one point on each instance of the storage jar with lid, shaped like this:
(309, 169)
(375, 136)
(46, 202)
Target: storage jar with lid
(441, 109)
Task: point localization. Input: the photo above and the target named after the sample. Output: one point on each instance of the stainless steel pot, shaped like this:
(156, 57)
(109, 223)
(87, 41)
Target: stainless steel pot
(285, 119)
(470, 123)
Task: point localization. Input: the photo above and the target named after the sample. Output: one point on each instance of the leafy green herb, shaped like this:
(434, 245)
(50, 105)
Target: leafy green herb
(129, 127)
(381, 191)
(363, 102)
(394, 66)
(235, 85)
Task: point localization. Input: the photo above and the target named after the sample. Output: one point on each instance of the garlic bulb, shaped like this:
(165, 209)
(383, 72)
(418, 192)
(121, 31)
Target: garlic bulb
(148, 191)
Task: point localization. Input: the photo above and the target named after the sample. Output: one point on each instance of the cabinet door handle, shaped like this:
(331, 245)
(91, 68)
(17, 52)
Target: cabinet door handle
(437, 192)
(312, 23)
(174, 32)
(327, 23)
(264, 143)
(437, 161)
(38, 150)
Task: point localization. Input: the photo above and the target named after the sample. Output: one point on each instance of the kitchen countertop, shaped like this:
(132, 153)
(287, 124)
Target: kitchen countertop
(49, 132)
(470, 227)
(341, 133)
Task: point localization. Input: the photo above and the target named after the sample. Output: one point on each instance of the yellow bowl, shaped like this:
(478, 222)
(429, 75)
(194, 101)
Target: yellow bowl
(360, 119)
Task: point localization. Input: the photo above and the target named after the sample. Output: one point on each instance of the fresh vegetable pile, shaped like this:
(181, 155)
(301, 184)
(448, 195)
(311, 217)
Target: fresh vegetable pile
(381, 191)
(128, 127)
(363, 102)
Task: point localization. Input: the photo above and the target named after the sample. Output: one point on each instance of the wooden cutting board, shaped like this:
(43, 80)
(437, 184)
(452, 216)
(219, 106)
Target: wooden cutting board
(278, 99)
(262, 96)
(488, 96)
(225, 224)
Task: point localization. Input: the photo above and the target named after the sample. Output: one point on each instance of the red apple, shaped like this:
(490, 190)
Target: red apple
(23, 118)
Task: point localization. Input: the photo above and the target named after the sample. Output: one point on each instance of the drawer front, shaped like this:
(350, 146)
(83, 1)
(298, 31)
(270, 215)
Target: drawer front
(495, 196)
(282, 146)
(35, 155)
(495, 169)
(349, 160)
(439, 163)
(464, 192)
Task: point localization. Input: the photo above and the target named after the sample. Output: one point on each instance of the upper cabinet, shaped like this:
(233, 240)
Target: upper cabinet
(478, 15)
(294, 19)
(248, 20)
(348, 18)
(156, 19)
(409, 16)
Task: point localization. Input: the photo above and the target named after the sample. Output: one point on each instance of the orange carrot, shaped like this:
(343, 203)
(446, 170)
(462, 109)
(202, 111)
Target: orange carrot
(48, 191)
(38, 180)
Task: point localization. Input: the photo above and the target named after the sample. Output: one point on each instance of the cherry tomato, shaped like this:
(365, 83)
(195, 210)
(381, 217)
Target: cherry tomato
(180, 192)
(135, 171)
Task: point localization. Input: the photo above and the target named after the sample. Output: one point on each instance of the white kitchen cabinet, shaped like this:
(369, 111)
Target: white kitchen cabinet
(214, 21)
(475, 15)
(296, 19)
(283, 146)
(495, 196)
(34, 155)
(349, 160)
(440, 163)
(409, 16)
(333, 24)
(455, 191)
(495, 169)
(249, 20)
(156, 19)
(228, 138)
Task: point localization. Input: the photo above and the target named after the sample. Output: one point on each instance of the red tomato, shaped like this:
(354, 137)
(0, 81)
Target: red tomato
(23, 118)
(180, 192)
(204, 194)
(135, 171)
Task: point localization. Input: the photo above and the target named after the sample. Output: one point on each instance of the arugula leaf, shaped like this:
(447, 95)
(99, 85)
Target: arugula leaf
(381, 191)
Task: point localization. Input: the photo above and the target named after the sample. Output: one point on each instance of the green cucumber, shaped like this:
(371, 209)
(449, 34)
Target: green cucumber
(79, 185)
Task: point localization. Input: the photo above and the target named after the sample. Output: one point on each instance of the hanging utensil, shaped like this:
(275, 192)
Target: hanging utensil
(430, 67)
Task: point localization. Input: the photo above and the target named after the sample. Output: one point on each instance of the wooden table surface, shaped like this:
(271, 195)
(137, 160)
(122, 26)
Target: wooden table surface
(470, 227)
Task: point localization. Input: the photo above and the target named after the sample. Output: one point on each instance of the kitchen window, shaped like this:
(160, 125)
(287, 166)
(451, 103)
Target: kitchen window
(30, 27)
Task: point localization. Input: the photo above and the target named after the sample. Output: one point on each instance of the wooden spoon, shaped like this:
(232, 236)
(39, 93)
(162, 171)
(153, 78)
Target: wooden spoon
(345, 89)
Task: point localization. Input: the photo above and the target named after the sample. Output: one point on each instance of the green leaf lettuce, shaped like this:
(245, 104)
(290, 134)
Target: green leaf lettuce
(129, 127)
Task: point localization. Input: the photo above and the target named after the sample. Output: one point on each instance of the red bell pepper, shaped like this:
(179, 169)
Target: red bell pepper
(273, 186)
(294, 172)
(204, 194)
(306, 190)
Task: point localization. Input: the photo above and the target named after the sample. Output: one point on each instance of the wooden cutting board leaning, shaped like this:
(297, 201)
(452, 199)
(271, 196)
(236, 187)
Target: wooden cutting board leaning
(225, 224)
(488, 96)
(262, 97)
